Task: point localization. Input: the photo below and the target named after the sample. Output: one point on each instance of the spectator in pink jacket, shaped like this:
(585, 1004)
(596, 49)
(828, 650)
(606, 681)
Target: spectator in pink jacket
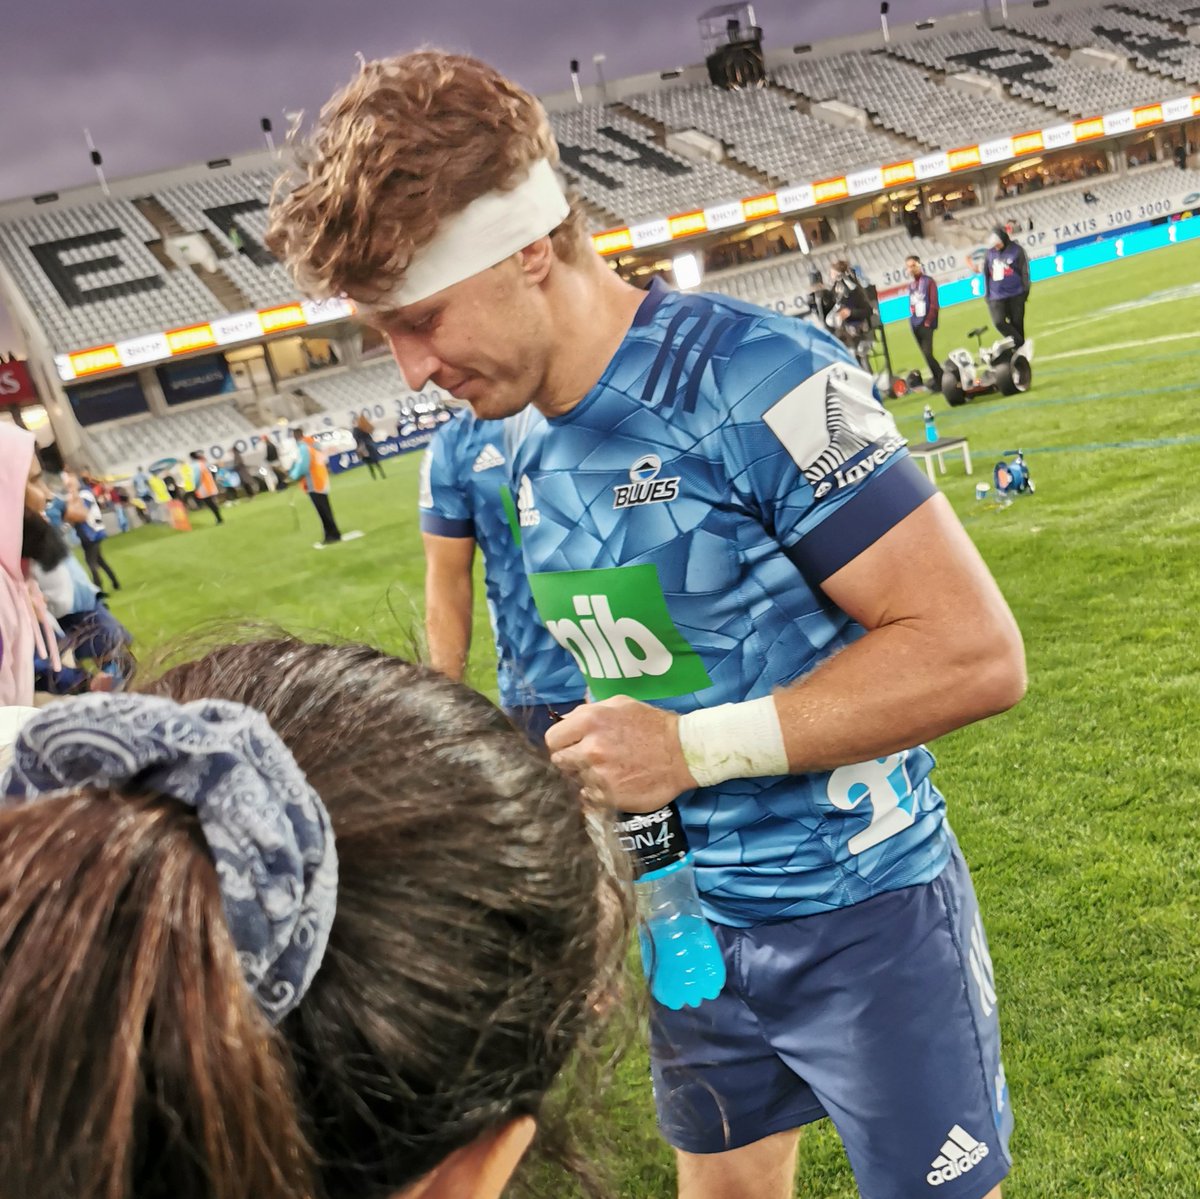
(16, 615)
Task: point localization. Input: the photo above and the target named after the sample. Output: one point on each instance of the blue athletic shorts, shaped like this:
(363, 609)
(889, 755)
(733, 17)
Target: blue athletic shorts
(881, 1016)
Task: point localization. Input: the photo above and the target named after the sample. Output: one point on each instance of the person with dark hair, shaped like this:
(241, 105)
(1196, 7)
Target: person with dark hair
(311, 470)
(923, 314)
(1006, 284)
(850, 319)
(206, 486)
(770, 603)
(300, 921)
(271, 458)
(82, 512)
(89, 630)
(364, 442)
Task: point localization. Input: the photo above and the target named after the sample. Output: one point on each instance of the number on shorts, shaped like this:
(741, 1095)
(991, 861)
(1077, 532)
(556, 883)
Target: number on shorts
(884, 781)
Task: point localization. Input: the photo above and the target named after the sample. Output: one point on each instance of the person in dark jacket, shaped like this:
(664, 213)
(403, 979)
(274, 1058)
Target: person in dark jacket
(1006, 277)
(923, 314)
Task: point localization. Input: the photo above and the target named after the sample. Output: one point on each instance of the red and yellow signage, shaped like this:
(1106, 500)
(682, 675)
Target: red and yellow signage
(896, 173)
(193, 337)
(963, 158)
(828, 190)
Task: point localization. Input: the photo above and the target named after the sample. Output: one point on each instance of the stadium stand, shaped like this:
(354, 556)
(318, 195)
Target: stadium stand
(122, 446)
(1032, 71)
(90, 276)
(1172, 11)
(225, 202)
(1151, 44)
(617, 166)
(878, 260)
(762, 129)
(370, 384)
(1149, 191)
(901, 98)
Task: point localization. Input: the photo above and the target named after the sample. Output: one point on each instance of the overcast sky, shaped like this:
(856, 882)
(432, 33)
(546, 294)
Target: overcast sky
(161, 83)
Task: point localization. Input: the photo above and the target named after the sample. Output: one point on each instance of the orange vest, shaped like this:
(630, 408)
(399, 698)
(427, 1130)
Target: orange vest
(206, 485)
(318, 472)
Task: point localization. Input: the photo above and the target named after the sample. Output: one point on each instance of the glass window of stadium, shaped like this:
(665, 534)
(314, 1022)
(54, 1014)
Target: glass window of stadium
(1053, 170)
(1143, 151)
(945, 198)
(298, 355)
(894, 210)
(249, 370)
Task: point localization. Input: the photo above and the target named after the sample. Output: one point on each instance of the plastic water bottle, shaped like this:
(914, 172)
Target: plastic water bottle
(931, 433)
(680, 954)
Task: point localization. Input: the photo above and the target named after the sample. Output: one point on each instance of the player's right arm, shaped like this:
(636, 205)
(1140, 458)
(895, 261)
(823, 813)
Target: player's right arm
(448, 534)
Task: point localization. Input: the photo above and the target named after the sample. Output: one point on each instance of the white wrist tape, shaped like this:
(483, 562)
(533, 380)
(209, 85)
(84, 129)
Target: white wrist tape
(733, 741)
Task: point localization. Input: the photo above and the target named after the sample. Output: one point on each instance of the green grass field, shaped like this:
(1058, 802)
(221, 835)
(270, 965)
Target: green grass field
(1078, 811)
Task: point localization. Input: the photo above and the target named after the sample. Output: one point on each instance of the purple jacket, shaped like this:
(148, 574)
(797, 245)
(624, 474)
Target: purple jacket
(923, 303)
(1006, 272)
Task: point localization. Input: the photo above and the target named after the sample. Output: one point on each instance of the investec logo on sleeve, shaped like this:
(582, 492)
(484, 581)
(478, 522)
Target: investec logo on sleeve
(616, 626)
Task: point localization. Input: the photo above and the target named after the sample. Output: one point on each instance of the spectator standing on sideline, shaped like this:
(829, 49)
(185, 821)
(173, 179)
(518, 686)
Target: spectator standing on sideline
(83, 513)
(923, 314)
(271, 455)
(772, 605)
(465, 501)
(313, 473)
(364, 442)
(1006, 280)
(206, 486)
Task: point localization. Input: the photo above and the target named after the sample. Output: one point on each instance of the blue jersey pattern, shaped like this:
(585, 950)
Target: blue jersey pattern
(727, 462)
(464, 493)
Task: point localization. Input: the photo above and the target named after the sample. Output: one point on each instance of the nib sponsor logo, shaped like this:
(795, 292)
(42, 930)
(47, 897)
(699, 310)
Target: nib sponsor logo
(960, 1154)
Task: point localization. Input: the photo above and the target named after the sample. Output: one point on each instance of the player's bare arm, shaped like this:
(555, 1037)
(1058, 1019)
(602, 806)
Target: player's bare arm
(449, 597)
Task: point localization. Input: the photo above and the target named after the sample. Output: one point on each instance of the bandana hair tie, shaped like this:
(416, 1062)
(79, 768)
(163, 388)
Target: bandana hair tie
(267, 830)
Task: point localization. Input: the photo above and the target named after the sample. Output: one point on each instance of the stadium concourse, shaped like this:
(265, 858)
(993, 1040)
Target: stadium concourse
(157, 323)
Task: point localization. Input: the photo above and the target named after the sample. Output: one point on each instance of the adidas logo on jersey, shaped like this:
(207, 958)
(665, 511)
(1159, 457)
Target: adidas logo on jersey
(960, 1154)
(644, 486)
(527, 514)
(489, 457)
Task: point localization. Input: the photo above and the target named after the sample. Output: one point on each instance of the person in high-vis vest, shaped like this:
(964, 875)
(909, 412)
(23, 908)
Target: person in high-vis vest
(313, 474)
(206, 485)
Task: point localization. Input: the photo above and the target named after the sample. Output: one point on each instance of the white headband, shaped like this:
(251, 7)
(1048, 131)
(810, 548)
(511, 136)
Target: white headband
(484, 233)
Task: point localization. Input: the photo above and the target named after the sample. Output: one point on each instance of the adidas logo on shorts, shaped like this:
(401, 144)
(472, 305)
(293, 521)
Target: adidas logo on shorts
(960, 1154)
(489, 457)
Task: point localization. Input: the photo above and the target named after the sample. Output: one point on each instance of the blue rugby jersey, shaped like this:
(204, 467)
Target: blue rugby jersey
(677, 525)
(464, 493)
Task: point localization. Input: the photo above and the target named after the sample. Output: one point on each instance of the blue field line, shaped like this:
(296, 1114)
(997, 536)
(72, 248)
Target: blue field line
(1148, 443)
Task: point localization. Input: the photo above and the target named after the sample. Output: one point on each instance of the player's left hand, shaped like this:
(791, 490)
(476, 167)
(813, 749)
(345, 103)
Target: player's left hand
(624, 754)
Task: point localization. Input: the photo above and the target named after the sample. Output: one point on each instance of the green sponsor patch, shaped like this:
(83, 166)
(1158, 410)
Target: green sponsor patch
(510, 510)
(616, 626)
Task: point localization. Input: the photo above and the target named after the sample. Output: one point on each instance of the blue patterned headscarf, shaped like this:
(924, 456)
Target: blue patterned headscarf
(267, 829)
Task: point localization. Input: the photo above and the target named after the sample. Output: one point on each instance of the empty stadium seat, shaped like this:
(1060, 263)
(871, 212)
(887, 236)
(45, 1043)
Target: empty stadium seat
(1032, 71)
(89, 276)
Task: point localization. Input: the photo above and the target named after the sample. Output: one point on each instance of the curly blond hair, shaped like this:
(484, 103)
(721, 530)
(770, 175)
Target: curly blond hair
(411, 140)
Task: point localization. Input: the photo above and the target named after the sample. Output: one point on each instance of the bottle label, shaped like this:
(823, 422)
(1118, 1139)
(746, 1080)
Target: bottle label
(653, 840)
